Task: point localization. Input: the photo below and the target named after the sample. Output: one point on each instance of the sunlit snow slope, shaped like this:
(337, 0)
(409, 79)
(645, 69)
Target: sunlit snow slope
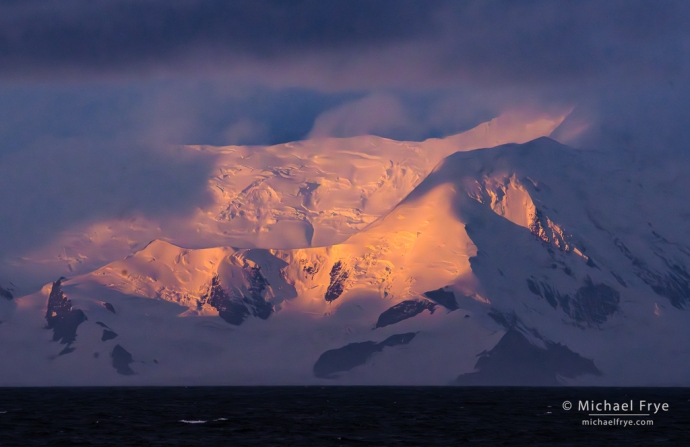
(531, 264)
(309, 193)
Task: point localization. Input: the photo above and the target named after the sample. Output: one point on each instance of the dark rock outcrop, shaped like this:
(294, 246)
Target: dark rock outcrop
(61, 318)
(514, 361)
(354, 354)
(121, 360)
(108, 335)
(673, 284)
(444, 298)
(109, 307)
(403, 311)
(592, 304)
(619, 279)
(507, 320)
(306, 193)
(309, 269)
(233, 306)
(257, 284)
(229, 308)
(336, 287)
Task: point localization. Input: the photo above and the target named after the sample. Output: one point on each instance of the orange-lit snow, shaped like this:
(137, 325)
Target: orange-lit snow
(308, 193)
(537, 237)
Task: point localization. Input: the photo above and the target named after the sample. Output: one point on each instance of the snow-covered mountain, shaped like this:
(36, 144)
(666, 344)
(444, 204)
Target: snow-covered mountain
(525, 263)
(309, 193)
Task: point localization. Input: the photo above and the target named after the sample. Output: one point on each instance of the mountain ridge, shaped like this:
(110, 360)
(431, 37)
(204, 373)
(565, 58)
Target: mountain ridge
(536, 239)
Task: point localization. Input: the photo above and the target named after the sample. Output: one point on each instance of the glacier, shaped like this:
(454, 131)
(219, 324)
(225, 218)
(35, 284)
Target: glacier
(434, 263)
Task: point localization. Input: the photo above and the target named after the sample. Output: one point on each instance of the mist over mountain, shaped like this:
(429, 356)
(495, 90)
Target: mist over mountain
(344, 192)
(531, 263)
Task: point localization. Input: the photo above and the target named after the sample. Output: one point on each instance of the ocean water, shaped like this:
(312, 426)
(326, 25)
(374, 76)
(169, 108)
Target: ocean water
(341, 416)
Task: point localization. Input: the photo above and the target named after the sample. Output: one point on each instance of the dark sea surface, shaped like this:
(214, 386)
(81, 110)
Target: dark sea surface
(334, 416)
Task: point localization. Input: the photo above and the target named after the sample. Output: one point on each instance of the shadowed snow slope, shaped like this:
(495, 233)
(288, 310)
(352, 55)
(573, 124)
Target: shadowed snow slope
(567, 267)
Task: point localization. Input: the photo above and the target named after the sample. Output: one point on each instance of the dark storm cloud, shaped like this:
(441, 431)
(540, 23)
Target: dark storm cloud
(80, 36)
(91, 90)
(562, 40)
(347, 43)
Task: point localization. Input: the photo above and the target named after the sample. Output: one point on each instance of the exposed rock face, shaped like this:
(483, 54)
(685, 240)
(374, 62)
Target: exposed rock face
(336, 287)
(543, 228)
(514, 361)
(354, 354)
(110, 307)
(257, 284)
(444, 298)
(592, 304)
(233, 306)
(673, 284)
(309, 269)
(306, 192)
(61, 318)
(403, 311)
(230, 308)
(121, 360)
(108, 335)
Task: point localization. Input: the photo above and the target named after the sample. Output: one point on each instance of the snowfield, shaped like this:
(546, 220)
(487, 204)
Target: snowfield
(371, 261)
